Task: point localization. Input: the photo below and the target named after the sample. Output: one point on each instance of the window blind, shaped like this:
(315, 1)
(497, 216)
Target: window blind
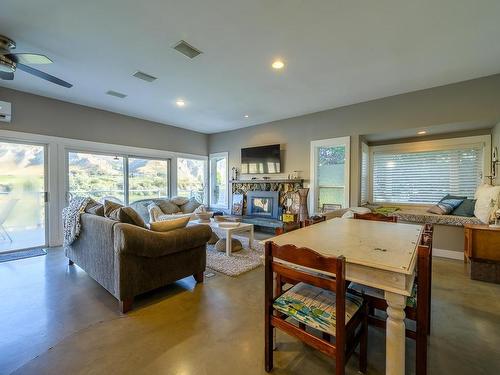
(426, 177)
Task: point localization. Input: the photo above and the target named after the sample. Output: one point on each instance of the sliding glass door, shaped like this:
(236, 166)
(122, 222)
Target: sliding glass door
(122, 179)
(191, 178)
(22, 196)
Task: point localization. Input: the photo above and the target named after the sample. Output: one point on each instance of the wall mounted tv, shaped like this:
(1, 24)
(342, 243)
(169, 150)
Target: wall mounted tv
(261, 160)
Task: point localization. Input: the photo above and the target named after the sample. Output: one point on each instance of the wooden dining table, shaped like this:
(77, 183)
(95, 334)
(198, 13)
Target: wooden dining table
(378, 254)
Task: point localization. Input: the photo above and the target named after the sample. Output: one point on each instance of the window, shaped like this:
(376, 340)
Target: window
(365, 166)
(96, 176)
(147, 178)
(191, 178)
(219, 180)
(426, 174)
(104, 177)
(330, 172)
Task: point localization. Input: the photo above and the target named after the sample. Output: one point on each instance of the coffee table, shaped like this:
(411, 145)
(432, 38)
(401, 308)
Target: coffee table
(229, 231)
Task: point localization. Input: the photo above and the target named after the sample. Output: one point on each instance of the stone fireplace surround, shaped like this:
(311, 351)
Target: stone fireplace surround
(285, 188)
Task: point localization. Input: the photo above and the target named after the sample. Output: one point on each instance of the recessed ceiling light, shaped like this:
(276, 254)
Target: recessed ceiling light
(180, 103)
(278, 64)
(246, 116)
(422, 132)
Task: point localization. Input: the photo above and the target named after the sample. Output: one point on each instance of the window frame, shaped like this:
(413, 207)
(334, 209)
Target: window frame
(483, 141)
(330, 142)
(212, 157)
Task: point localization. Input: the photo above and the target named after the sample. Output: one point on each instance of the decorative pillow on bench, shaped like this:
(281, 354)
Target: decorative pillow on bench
(446, 205)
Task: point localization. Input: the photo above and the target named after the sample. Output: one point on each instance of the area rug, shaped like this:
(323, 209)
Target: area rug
(239, 262)
(22, 254)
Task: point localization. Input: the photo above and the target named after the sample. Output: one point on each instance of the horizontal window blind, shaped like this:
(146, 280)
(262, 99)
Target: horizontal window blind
(426, 177)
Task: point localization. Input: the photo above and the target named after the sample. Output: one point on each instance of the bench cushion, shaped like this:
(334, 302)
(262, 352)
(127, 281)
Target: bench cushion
(315, 307)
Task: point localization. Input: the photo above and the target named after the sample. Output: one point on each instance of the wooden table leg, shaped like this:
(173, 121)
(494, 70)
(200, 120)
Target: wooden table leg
(395, 335)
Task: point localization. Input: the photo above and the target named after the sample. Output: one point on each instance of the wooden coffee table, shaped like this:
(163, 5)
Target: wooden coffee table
(228, 232)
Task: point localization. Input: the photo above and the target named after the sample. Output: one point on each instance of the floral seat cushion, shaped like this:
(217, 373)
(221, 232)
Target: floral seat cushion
(411, 301)
(315, 307)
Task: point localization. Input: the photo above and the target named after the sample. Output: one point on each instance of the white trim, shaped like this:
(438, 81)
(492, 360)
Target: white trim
(449, 254)
(344, 141)
(214, 155)
(57, 166)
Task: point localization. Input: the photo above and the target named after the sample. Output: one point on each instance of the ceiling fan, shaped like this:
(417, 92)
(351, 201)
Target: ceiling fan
(10, 62)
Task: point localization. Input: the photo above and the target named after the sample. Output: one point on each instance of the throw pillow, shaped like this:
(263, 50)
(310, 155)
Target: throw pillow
(168, 225)
(190, 206)
(445, 206)
(154, 212)
(118, 212)
(465, 209)
(168, 207)
(487, 202)
(95, 208)
(179, 201)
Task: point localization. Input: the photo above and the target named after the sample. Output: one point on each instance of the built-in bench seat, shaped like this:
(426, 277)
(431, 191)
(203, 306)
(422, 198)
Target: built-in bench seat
(423, 217)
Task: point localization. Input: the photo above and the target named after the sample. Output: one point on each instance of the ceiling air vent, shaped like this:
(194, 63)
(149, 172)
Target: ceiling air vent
(187, 49)
(144, 76)
(116, 94)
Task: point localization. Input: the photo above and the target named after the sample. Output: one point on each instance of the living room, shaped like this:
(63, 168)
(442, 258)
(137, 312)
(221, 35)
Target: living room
(150, 178)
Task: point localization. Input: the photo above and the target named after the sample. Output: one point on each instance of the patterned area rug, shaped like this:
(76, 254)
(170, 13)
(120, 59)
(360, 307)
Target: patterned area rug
(22, 254)
(239, 262)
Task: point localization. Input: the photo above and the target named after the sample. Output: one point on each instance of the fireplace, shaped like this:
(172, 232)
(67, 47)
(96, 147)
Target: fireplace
(263, 204)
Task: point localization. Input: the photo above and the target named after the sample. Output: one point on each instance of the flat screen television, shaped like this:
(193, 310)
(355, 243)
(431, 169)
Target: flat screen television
(261, 160)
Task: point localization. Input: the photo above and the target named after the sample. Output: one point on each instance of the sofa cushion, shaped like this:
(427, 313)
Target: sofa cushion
(168, 225)
(118, 212)
(487, 202)
(190, 206)
(154, 212)
(167, 206)
(315, 307)
(179, 201)
(95, 208)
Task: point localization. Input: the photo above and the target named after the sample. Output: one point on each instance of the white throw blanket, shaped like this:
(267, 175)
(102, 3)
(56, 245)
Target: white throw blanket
(71, 219)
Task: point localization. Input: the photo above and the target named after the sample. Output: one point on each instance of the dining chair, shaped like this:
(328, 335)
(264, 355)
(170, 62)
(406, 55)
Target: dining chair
(418, 305)
(5, 212)
(317, 309)
(376, 217)
(313, 220)
(287, 227)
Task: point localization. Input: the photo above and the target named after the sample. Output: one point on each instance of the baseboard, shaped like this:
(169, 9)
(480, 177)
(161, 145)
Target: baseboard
(450, 254)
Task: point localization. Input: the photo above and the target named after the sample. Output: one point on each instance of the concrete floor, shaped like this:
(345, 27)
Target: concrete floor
(56, 320)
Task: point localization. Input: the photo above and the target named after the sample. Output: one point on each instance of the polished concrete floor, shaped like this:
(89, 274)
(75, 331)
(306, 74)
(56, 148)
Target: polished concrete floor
(56, 320)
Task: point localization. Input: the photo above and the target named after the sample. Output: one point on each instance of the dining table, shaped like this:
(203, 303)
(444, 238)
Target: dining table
(378, 254)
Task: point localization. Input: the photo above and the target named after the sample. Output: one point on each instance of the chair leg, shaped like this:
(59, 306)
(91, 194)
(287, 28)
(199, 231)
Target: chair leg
(269, 335)
(198, 277)
(126, 305)
(363, 345)
(70, 262)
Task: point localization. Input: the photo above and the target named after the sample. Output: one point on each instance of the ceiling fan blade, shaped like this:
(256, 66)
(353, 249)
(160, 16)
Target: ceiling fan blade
(45, 76)
(29, 58)
(7, 76)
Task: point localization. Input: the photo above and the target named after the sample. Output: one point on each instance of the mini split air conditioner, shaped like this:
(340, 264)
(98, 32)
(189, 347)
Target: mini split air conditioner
(5, 112)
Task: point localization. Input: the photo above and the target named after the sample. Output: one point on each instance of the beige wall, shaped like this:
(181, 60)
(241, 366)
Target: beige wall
(40, 115)
(471, 101)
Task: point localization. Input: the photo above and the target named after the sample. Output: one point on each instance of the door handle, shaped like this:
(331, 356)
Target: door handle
(46, 197)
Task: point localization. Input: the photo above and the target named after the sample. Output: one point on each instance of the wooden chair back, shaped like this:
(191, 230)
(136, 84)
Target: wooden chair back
(282, 261)
(313, 220)
(287, 227)
(376, 217)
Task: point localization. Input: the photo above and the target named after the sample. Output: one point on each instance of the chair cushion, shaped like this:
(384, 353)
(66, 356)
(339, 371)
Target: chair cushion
(379, 293)
(315, 307)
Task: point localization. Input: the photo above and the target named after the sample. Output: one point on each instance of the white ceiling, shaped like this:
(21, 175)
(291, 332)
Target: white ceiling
(337, 53)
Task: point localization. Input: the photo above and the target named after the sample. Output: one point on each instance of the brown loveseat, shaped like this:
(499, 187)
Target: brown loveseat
(128, 260)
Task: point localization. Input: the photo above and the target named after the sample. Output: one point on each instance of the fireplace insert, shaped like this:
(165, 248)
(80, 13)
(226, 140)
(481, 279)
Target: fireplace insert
(263, 204)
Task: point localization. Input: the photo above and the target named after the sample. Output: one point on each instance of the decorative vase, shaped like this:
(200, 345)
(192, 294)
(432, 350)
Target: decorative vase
(303, 213)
